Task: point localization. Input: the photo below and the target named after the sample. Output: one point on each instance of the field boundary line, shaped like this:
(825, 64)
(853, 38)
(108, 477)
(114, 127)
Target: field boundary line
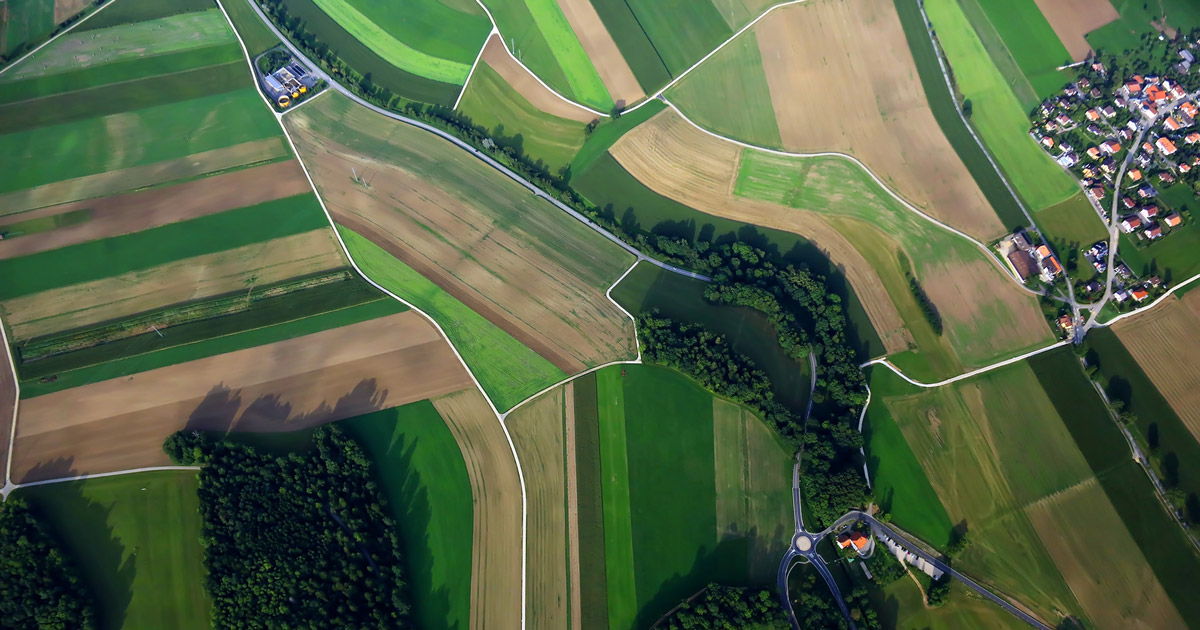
(115, 473)
(70, 28)
(635, 361)
(345, 249)
(894, 195)
(8, 486)
(988, 368)
(496, 29)
(471, 72)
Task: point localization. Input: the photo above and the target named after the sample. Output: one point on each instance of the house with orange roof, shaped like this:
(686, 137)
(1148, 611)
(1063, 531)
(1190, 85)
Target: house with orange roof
(1153, 231)
(855, 539)
(1094, 152)
(1133, 174)
(1166, 146)
(1172, 124)
(1139, 294)
(1133, 87)
(1092, 115)
(1190, 109)
(1066, 324)
(1177, 91)
(1147, 147)
(1110, 146)
(1184, 168)
(1048, 142)
(1130, 223)
(1192, 138)
(1156, 94)
(1173, 220)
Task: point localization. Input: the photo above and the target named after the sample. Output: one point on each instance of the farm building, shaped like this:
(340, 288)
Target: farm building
(288, 82)
(1022, 263)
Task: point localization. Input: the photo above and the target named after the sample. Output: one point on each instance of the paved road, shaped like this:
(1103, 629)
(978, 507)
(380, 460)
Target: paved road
(972, 584)
(333, 84)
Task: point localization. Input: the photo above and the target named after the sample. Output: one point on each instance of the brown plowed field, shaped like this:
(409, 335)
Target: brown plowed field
(285, 386)
(527, 85)
(842, 78)
(537, 432)
(602, 50)
(1165, 343)
(496, 488)
(1072, 19)
(179, 281)
(64, 9)
(133, 212)
(678, 161)
(135, 177)
(523, 264)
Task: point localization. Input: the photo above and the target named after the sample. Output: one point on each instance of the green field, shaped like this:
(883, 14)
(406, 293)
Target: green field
(424, 479)
(94, 260)
(648, 287)
(682, 31)
(942, 104)
(508, 370)
(537, 32)
(162, 132)
(364, 60)
(25, 22)
(593, 570)
(453, 32)
(901, 605)
(609, 131)
(120, 12)
(639, 52)
(663, 543)
(897, 479)
(136, 541)
(1072, 224)
(1124, 33)
(257, 37)
(1160, 432)
(997, 115)
(1016, 31)
(86, 49)
(493, 103)
(610, 187)
(735, 70)
(398, 53)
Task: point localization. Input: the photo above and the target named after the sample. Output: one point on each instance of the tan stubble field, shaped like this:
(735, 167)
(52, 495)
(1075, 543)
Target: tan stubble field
(1165, 345)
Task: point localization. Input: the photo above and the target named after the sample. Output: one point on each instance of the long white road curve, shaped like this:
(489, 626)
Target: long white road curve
(1017, 359)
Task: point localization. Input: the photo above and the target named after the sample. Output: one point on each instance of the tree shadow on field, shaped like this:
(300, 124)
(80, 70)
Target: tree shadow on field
(726, 562)
(223, 410)
(81, 527)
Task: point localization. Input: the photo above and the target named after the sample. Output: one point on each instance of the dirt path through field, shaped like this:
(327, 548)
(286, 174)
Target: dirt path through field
(1072, 19)
(622, 86)
(829, 95)
(120, 423)
(527, 85)
(677, 161)
(133, 212)
(496, 579)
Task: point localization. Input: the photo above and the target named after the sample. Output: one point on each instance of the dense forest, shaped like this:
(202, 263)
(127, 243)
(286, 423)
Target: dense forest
(39, 588)
(296, 540)
(724, 607)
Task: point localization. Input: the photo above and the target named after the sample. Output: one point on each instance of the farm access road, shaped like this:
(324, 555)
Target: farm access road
(537, 192)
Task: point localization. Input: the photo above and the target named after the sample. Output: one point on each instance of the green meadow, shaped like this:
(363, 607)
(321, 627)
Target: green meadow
(422, 474)
(493, 103)
(257, 37)
(593, 569)
(162, 132)
(120, 12)
(682, 31)
(508, 370)
(997, 114)
(431, 27)
(136, 541)
(734, 72)
(609, 131)
(25, 22)
(1027, 39)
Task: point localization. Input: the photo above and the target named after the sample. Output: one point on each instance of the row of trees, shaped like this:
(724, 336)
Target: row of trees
(39, 588)
(723, 607)
(296, 540)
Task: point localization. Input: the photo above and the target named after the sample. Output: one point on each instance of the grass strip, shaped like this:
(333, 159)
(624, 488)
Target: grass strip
(256, 35)
(618, 523)
(593, 577)
(149, 248)
(130, 11)
(45, 224)
(145, 358)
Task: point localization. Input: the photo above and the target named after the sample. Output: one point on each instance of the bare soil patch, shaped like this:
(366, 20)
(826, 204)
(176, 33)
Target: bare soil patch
(527, 85)
(136, 177)
(496, 487)
(64, 9)
(534, 272)
(602, 51)
(285, 386)
(1072, 19)
(1165, 343)
(830, 96)
(133, 212)
(680, 162)
(179, 281)
(538, 432)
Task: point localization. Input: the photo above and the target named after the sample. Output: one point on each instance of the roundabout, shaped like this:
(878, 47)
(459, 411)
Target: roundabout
(803, 543)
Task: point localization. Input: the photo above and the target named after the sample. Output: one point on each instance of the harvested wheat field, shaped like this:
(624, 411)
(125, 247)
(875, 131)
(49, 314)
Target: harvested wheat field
(284, 386)
(64, 9)
(496, 487)
(496, 57)
(135, 177)
(1072, 19)
(622, 85)
(678, 161)
(1164, 342)
(115, 297)
(830, 95)
(518, 261)
(132, 212)
(538, 431)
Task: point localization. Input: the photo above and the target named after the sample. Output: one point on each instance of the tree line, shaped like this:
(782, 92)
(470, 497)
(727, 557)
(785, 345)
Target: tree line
(39, 588)
(295, 540)
(723, 607)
